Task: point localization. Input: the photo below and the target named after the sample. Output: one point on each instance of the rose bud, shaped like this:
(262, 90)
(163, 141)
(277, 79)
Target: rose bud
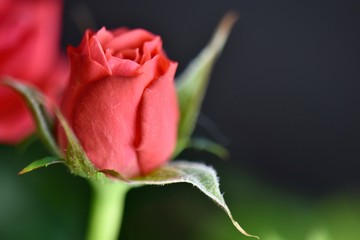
(29, 52)
(121, 101)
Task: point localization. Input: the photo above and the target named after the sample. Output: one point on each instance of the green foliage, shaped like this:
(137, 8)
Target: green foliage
(192, 83)
(44, 162)
(36, 104)
(199, 175)
(75, 158)
(203, 144)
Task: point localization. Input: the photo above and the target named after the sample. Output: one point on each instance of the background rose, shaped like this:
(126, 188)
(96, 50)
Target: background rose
(29, 51)
(121, 101)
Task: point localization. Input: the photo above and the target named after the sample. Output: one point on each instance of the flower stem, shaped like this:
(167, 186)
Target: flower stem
(107, 210)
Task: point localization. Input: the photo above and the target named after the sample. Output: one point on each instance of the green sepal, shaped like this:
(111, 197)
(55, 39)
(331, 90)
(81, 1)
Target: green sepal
(75, 156)
(199, 175)
(114, 174)
(192, 83)
(36, 103)
(203, 144)
(44, 162)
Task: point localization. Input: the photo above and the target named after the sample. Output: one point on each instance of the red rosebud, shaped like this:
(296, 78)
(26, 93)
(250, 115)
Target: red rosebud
(29, 51)
(121, 101)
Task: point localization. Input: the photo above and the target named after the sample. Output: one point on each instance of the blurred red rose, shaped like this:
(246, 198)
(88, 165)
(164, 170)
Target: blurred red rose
(121, 101)
(29, 51)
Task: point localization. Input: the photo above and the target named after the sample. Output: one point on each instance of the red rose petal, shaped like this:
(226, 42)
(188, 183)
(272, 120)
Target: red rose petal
(158, 117)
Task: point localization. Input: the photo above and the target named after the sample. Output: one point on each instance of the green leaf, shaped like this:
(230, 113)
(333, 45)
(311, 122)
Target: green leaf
(207, 145)
(44, 162)
(199, 175)
(192, 83)
(36, 104)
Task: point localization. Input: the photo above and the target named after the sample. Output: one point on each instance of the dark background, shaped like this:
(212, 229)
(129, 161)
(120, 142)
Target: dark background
(283, 98)
(285, 92)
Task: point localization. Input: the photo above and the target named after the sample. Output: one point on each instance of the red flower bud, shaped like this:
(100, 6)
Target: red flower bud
(121, 101)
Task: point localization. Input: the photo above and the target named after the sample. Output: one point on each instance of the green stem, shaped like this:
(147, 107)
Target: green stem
(107, 210)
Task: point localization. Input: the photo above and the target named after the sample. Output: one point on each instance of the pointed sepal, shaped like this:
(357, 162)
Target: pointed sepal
(192, 83)
(203, 144)
(201, 176)
(44, 162)
(36, 103)
(75, 157)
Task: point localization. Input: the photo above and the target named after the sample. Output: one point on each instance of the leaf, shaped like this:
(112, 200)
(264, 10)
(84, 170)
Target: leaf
(41, 163)
(199, 175)
(192, 83)
(36, 104)
(207, 145)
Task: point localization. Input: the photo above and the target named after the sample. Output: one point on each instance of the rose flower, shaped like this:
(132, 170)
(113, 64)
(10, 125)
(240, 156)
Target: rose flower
(121, 101)
(29, 52)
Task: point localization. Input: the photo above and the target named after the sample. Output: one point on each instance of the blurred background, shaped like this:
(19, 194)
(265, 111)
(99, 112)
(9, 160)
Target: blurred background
(283, 98)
